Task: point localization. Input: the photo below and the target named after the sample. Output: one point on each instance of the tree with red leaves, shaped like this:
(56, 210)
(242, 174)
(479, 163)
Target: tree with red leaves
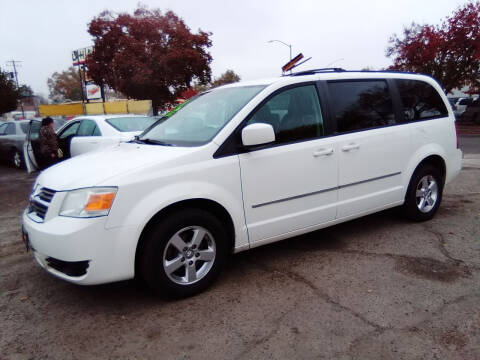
(148, 55)
(450, 52)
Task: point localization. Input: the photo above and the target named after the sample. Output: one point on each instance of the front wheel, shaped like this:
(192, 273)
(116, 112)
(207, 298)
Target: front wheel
(184, 253)
(424, 194)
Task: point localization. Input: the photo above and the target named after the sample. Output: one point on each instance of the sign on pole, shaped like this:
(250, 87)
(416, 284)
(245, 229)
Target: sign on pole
(93, 92)
(79, 55)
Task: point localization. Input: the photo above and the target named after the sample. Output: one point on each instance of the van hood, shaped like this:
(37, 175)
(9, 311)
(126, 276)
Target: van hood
(96, 167)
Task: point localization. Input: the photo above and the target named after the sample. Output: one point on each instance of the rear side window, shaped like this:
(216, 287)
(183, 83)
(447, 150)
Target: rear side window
(24, 127)
(88, 128)
(359, 105)
(420, 101)
(10, 129)
(465, 102)
(70, 130)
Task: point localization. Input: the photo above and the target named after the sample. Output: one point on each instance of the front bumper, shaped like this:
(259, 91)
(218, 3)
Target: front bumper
(82, 251)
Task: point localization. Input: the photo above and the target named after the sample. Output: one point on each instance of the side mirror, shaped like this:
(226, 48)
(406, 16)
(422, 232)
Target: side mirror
(257, 134)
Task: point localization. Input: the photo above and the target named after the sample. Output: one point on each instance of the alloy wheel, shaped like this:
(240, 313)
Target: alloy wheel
(189, 255)
(426, 193)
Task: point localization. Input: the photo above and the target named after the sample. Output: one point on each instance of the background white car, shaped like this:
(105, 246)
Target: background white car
(461, 105)
(88, 133)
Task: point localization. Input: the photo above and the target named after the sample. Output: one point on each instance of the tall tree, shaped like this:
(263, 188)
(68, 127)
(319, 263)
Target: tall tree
(450, 51)
(227, 77)
(148, 55)
(9, 94)
(65, 85)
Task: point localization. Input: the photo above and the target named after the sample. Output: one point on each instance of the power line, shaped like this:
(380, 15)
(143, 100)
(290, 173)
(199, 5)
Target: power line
(16, 63)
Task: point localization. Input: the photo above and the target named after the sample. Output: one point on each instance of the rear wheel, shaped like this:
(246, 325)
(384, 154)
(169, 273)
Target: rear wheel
(424, 193)
(184, 253)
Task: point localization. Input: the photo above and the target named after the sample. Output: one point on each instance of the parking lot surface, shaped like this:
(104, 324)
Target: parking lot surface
(379, 287)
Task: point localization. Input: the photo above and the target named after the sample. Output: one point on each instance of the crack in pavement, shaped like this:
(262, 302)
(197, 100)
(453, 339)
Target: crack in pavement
(276, 326)
(418, 325)
(457, 262)
(441, 243)
(299, 278)
(377, 329)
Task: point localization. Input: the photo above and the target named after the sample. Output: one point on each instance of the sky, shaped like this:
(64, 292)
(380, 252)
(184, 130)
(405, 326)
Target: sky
(343, 33)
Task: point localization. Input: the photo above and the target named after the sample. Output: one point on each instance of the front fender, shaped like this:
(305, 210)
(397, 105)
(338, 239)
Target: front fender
(136, 204)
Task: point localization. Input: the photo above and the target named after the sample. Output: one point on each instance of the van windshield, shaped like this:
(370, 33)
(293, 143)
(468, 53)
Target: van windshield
(201, 119)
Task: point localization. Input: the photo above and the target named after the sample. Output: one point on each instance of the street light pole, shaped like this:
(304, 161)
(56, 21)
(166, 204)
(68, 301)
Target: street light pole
(284, 43)
(14, 63)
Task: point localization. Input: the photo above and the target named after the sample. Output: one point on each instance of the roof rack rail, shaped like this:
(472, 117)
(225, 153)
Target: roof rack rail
(316, 71)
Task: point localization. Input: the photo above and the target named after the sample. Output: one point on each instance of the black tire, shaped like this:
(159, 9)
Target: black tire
(17, 159)
(411, 207)
(157, 244)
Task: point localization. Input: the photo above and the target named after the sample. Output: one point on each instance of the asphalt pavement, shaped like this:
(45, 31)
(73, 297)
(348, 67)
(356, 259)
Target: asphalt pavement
(379, 287)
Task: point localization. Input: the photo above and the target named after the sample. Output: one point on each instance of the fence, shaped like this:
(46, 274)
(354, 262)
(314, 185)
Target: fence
(97, 108)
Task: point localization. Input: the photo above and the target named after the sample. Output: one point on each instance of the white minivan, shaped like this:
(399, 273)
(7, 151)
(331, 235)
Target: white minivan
(240, 166)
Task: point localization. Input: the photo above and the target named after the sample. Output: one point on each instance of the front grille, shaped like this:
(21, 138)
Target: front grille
(46, 194)
(39, 209)
(70, 268)
(39, 203)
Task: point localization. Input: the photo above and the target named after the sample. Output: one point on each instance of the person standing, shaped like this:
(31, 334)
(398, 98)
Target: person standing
(48, 143)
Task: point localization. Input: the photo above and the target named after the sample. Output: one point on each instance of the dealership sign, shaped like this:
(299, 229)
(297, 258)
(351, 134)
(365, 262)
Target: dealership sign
(79, 55)
(93, 92)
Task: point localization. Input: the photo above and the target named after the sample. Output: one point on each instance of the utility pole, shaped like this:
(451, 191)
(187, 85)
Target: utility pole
(14, 63)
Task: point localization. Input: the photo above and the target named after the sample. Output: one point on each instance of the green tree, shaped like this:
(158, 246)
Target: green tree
(9, 94)
(65, 85)
(227, 77)
(25, 91)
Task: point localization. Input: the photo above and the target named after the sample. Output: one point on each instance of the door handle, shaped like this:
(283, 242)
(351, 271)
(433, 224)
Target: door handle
(351, 146)
(322, 152)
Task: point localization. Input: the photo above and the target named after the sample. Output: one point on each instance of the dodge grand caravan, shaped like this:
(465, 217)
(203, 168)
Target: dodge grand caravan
(240, 166)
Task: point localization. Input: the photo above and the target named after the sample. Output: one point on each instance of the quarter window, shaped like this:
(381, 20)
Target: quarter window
(420, 101)
(359, 105)
(294, 114)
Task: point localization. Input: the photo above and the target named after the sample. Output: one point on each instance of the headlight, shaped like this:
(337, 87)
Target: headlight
(89, 202)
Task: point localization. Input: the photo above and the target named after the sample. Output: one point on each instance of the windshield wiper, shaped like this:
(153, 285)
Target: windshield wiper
(137, 140)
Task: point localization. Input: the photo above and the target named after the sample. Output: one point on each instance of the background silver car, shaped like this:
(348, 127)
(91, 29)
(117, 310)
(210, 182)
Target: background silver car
(12, 138)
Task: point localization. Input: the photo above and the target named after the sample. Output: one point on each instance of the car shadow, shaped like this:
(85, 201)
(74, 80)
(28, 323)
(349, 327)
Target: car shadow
(134, 293)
